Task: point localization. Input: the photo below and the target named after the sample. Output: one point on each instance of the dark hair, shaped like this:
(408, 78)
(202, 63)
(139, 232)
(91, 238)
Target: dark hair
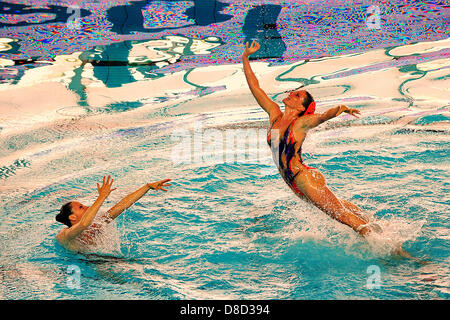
(308, 100)
(64, 213)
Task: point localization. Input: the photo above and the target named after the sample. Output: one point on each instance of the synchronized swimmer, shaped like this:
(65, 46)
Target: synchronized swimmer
(81, 229)
(285, 136)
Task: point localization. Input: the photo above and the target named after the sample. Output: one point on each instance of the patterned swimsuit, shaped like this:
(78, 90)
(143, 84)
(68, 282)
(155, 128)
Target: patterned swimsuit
(286, 148)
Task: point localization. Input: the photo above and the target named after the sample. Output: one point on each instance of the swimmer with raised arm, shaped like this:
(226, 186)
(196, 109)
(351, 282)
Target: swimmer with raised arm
(285, 136)
(81, 229)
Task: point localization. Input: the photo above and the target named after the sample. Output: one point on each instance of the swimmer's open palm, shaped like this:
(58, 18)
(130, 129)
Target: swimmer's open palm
(160, 185)
(353, 112)
(252, 48)
(105, 189)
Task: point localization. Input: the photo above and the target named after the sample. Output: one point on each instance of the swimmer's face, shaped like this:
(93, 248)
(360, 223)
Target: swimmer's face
(295, 100)
(78, 210)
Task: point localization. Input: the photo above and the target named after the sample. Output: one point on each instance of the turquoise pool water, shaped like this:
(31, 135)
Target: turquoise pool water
(229, 227)
(233, 231)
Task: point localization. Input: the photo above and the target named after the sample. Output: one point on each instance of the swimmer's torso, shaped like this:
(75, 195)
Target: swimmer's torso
(287, 153)
(89, 238)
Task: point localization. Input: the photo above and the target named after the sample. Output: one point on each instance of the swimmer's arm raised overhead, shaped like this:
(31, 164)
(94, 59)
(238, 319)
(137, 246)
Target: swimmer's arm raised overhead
(103, 192)
(311, 121)
(130, 199)
(261, 97)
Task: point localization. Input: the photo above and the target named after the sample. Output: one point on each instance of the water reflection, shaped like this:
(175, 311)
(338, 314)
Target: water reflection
(19, 15)
(261, 25)
(156, 16)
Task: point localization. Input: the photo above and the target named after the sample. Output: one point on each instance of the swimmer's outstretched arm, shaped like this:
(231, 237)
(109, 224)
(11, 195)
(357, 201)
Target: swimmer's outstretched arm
(103, 192)
(314, 120)
(261, 97)
(130, 199)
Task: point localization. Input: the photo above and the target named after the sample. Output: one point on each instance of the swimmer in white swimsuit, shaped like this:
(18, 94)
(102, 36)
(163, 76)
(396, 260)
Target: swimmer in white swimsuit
(79, 218)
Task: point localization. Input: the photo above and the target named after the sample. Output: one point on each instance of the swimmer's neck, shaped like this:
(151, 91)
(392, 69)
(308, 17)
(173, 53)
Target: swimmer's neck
(290, 114)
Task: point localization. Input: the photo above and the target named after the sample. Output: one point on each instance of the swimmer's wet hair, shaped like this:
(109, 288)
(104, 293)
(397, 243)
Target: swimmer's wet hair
(309, 99)
(64, 213)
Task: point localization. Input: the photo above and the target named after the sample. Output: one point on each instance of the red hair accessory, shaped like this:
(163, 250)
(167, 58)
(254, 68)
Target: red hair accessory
(311, 108)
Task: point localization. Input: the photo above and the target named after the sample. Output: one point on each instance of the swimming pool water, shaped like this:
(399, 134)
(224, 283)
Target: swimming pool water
(145, 102)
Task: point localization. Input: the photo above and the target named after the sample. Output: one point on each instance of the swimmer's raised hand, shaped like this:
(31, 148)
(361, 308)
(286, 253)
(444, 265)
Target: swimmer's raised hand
(105, 189)
(352, 111)
(160, 185)
(251, 49)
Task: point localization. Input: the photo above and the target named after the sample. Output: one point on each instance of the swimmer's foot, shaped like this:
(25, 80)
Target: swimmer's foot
(375, 227)
(367, 228)
(405, 254)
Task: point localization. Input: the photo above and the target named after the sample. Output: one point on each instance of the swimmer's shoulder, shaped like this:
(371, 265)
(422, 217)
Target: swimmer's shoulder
(64, 242)
(61, 236)
(274, 117)
(305, 122)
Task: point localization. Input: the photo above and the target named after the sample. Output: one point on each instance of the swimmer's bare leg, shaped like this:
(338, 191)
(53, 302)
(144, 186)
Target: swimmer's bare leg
(399, 251)
(353, 208)
(360, 213)
(325, 200)
(343, 211)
